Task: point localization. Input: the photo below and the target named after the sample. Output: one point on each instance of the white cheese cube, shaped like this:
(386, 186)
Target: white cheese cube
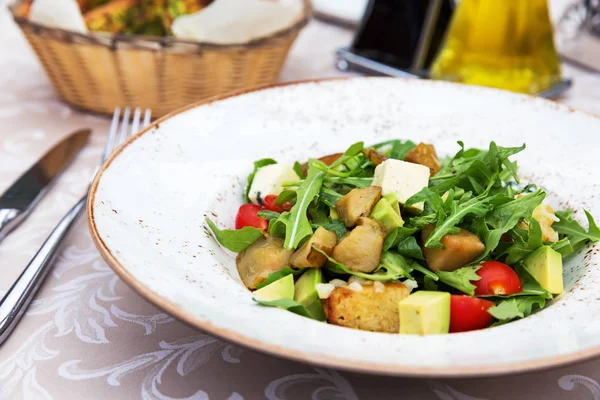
(402, 178)
(268, 180)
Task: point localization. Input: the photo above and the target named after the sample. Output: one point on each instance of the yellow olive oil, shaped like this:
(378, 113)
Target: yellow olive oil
(506, 44)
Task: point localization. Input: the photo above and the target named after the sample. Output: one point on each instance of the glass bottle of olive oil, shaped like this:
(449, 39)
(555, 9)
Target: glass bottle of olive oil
(505, 44)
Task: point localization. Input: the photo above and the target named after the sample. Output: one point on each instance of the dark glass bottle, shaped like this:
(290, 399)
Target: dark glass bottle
(405, 34)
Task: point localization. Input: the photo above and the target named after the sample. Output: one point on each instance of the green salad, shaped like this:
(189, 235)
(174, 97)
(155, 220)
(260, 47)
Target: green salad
(389, 238)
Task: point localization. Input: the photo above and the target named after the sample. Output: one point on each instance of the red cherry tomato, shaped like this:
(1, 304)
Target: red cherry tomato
(469, 313)
(497, 279)
(246, 216)
(269, 202)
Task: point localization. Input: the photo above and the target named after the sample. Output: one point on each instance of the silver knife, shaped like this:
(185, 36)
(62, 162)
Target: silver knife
(19, 200)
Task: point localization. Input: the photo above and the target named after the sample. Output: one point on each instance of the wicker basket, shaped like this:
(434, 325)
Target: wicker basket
(97, 72)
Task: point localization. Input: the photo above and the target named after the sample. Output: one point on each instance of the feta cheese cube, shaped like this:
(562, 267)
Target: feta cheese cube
(268, 180)
(402, 178)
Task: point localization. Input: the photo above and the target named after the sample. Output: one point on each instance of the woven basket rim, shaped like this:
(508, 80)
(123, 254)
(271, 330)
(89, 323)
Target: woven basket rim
(113, 41)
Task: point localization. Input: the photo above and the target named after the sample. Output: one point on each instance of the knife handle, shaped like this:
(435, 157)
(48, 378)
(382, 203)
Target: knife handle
(15, 301)
(9, 219)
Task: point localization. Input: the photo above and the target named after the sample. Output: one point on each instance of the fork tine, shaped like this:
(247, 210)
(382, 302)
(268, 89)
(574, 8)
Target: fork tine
(124, 126)
(147, 115)
(112, 134)
(135, 126)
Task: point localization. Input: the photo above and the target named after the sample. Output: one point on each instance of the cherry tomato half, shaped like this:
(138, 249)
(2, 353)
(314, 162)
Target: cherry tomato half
(269, 202)
(246, 216)
(497, 279)
(469, 313)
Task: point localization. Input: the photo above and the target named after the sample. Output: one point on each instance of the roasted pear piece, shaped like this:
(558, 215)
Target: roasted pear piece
(357, 203)
(360, 250)
(307, 257)
(262, 257)
(373, 308)
(460, 249)
(424, 154)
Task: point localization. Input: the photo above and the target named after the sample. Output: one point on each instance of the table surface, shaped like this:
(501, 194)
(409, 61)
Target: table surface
(88, 335)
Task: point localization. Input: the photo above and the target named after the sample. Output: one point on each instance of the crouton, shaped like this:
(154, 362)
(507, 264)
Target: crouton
(360, 250)
(307, 256)
(262, 257)
(357, 203)
(460, 249)
(369, 310)
(424, 154)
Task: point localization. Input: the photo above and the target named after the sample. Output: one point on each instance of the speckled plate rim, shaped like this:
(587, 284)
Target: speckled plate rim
(279, 351)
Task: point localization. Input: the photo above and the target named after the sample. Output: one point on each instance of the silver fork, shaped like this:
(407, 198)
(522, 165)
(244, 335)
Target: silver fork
(17, 299)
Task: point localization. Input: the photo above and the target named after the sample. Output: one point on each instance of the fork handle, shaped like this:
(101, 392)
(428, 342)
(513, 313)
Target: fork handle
(15, 301)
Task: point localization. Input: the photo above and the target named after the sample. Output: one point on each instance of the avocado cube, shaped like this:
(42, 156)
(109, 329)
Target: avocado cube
(306, 292)
(391, 197)
(280, 289)
(545, 265)
(425, 313)
(384, 212)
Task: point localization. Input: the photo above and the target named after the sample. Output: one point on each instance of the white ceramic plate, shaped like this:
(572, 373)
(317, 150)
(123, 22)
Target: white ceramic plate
(148, 204)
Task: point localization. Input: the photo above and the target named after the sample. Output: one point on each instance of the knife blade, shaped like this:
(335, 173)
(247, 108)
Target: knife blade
(17, 202)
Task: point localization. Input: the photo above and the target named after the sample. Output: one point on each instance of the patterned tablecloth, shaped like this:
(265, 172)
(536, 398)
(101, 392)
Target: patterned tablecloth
(89, 336)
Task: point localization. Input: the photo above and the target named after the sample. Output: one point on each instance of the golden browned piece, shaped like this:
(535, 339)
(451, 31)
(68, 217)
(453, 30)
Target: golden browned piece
(360, 250)
(262, 257)
(460, 250)
(374, 156)
(357, 203)
(368, 309)
(307, 257)
(424, 154)
(110, 17)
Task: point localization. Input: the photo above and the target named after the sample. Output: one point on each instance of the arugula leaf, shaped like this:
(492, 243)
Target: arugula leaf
(297, 225)
(397, 235)
(336, 226)
(394, 272)
(395, 149)
(393, 262)
(285, 196)
(359, 182)
(563, 246)
(298, 169)
(568, 227)
(277, 275)
(289, 305)
(235, 240)
(429, 283)
(461, 278)
(476, 170)
(257, 165)
(329, 197)
(506, 216)
(475, 206)
(268, 215)
(517, 307)
(433, 202)
(410, 248)
(521, 249)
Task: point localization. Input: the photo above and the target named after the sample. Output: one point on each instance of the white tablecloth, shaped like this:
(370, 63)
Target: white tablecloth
(88, 336)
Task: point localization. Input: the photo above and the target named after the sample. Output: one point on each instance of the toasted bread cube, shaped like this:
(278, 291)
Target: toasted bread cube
(368, 310)
(262, 257)
(307, 256)
(357, 203)
(424, 154)
(360, 250)
(459, 250)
